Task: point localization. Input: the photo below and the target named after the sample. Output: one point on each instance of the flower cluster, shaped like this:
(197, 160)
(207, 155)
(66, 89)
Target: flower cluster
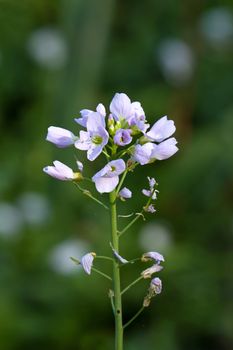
(123, 136)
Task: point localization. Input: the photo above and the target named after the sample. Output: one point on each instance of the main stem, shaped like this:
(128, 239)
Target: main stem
(116, 276)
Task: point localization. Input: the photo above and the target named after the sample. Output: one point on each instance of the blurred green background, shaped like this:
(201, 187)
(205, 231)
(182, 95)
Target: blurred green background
(58, 57)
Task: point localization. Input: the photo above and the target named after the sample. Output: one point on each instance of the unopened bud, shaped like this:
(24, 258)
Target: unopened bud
(156, 286)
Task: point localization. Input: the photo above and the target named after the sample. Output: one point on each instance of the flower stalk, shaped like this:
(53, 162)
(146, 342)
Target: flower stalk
(116, 275)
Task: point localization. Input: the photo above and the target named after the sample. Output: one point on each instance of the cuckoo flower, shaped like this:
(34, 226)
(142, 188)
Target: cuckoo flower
(60, 137)
(121, 107)
(107, 178)
(138, 119)
(149, 152)
(125, 193)
(62, 172)
(86, 112)
(122, 137)
(152, 192)
(95, 138)
(150, 209)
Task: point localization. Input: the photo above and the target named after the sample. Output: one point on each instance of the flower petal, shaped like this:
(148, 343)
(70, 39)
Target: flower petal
(87, 262)
(106, 184)
(142, 153)
(161, 130)
(165, 149)
(120, 106)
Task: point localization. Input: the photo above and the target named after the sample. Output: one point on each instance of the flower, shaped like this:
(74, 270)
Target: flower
(138, 119)
(87, 262)
(125, 193)
(121, 107)
(123, 110)
(149, 152)
(122, 137)
(149, 272)
(142, 153)
(157, 257)
(156, 285)
(165, 149)
(60, 137)
(150, 209)
(151, 192)
(95, 138)
(107, 178)
(62, 172)
(85, 113)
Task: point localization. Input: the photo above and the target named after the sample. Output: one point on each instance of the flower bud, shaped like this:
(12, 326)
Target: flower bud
(156, 286)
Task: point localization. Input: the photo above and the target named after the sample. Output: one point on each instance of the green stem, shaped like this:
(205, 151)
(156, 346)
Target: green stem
(138, 215)
(88, 194)
(101, 273)
(104, 257)
(121, 182)
(116, 275)
(134, 317)
(131, 284)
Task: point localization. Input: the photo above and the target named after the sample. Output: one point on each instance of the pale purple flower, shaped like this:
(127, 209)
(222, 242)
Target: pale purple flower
(150, 209)
(156, 285)
(125, 193)
(85, 113)
(87, 262)
(146, 193)
(138, 118)
(165, 149)
(151, 270)
(62, 172)
(122, 137)
(152, 182)
(95, 138)
(121, 107)
(107, 178)
(161, 130)
(142, 153)
(151, 192)
(157, 257)
(60, 137)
